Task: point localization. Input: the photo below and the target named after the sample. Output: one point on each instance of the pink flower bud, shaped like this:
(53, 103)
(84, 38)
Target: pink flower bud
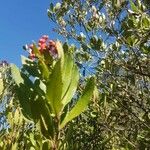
(42, 40)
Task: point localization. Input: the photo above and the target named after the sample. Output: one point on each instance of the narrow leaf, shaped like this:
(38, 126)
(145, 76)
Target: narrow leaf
(133, 7)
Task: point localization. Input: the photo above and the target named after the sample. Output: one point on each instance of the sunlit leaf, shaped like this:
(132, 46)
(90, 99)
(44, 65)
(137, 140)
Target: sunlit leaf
(81, 103)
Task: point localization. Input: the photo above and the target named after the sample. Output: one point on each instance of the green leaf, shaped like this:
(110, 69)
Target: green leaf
(24, 92)
(44, 69)
(95, 43)
(133, 7)
(24, 96)
(64, 79)
(132, 40)
(30, 66)
(46, 145)
(81, 103)
(31, 136)
(66, 47)
(54, 87)
(51, 6)
(41, 113)
(40, 87)
(16, 74)
(146, 22)
(72, 86)
(70, 71)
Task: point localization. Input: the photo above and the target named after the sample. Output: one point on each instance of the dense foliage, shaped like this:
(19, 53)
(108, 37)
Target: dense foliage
(112, 41)
(109, 40)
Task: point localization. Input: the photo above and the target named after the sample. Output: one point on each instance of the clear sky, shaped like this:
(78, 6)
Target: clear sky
(22, 21)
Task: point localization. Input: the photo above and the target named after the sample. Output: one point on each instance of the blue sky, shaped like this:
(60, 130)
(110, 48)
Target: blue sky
(22, 21)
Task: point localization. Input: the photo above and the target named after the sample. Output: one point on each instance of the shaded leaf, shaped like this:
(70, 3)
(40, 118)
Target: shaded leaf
(16, 74)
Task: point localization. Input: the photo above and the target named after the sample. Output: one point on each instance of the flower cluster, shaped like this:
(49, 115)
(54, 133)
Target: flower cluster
(44, 44)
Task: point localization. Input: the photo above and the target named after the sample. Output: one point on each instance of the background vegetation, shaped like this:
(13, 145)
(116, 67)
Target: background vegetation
(111, 41)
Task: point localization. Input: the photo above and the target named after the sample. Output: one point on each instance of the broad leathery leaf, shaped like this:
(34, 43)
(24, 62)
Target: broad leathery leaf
(16, 74)
(72, 86)
(67, 67)
(48, 121)
(54, 88)
(24, 95)
(70, 77)
(64, 78)
(81, 103)
(30, 66)
(55, 81)
(41, 86)
(41, 114)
